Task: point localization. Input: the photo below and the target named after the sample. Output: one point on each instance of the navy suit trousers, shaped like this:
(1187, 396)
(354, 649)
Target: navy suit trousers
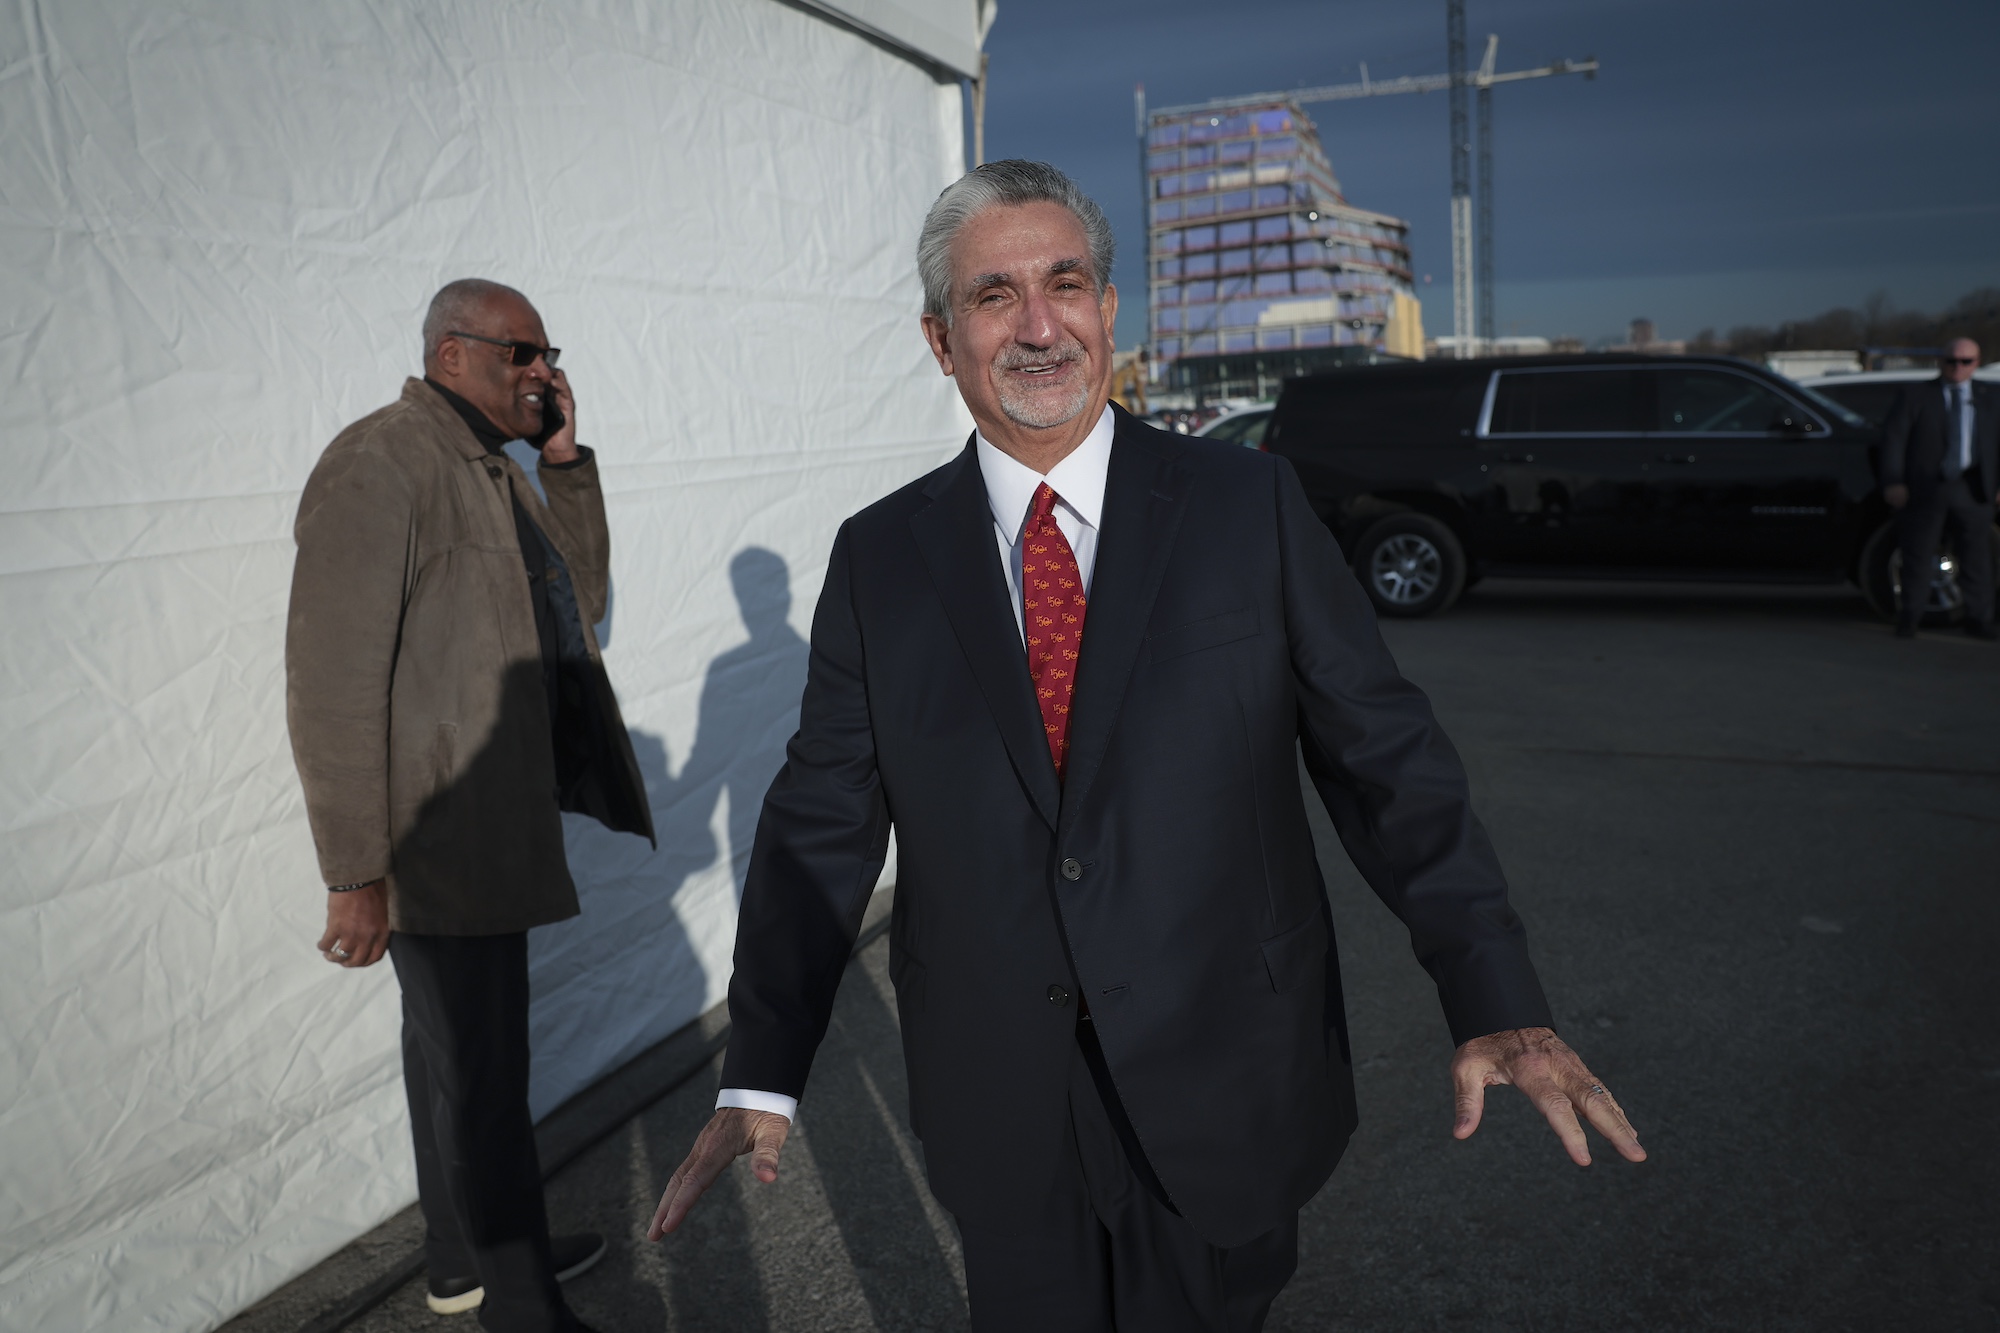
(1920, 529)
(1109, 1253)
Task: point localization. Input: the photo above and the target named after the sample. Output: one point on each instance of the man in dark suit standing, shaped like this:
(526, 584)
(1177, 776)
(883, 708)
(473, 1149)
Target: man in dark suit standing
(1074, 668)
(1941, 459)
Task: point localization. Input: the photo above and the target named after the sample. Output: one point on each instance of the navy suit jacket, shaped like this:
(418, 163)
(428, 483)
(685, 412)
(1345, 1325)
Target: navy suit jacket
(1171, 879)
(1914, 443)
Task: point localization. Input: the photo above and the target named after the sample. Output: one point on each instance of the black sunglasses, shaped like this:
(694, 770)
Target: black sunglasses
(1959, 360)
(524, 354)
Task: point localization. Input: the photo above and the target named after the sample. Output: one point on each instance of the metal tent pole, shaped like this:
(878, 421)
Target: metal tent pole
(1462, 327)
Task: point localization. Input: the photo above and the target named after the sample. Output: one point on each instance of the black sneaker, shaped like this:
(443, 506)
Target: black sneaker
(573, 1255)
(453, 1295)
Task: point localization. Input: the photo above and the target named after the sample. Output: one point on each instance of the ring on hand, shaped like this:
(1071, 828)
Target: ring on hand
(339, 950)
(1597, 1089)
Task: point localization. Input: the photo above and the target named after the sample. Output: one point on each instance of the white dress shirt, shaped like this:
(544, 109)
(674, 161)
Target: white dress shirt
(1957, 398)
(1078, 482)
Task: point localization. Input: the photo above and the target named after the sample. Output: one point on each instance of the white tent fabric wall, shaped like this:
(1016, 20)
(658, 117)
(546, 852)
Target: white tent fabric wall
(220, 223)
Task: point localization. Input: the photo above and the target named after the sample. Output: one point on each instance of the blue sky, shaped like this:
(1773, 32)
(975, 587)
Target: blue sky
(1734, 162)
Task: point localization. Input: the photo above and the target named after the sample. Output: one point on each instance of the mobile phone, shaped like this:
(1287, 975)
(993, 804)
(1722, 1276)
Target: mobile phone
(552, 418)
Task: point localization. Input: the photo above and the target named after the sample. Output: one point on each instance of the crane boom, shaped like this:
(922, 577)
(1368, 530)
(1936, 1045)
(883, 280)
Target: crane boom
(1409, 83)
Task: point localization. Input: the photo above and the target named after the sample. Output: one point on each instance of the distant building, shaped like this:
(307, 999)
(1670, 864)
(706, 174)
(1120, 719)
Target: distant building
(1641, 336)
(1511, 345)
(1805, 364)
(1261, 269)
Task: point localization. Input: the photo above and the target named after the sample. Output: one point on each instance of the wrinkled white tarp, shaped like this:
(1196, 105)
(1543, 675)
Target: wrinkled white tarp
(220, 222)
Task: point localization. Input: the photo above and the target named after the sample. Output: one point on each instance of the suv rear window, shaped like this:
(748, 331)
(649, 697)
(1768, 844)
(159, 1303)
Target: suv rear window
(1391, 407)
(1566, 402)
(1719, 401)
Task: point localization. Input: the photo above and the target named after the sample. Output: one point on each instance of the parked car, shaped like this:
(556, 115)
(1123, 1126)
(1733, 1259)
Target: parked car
(1436, 473)
(1243, 425)
(1182, 420)
(1872, 394)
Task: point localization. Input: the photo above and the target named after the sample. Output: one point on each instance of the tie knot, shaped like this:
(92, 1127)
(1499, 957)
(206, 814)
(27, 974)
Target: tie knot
(1045, 502)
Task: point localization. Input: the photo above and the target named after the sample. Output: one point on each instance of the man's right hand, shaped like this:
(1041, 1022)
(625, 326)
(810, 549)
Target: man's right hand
(1897, 496)
(357, 926)
(732, 1132)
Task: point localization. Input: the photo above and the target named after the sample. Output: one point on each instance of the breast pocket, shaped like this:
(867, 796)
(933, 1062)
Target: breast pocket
(1196, 635)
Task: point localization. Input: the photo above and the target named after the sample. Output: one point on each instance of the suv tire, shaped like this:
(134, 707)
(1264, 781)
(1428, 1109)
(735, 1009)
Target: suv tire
(1410, 564)
(1881, 571)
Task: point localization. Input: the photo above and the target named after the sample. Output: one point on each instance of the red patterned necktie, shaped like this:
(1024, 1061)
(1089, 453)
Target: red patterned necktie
(1052, 606)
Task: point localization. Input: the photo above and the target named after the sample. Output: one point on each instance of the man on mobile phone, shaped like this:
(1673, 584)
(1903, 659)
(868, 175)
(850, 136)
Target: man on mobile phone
(446, 700)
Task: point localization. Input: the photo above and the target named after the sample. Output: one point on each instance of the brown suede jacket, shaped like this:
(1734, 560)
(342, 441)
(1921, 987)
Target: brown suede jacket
(414, 690)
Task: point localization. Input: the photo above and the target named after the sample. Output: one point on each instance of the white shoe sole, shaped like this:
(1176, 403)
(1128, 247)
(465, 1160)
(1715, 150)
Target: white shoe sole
(473, 1299)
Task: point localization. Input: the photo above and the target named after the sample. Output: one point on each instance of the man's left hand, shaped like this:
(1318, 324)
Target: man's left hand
(1553, 1077)
(357, 925)
(561, 446)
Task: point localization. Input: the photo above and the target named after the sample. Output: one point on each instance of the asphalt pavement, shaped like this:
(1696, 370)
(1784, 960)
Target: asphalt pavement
(1756, 840)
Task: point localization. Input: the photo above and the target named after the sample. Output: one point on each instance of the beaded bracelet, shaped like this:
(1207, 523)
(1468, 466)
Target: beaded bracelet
(349, 888)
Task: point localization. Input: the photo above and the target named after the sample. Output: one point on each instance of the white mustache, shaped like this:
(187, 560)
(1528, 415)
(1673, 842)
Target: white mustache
(1019, 358)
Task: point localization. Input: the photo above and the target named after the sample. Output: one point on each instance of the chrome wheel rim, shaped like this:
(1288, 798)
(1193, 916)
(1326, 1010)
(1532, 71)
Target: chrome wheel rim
(1405, 569)
(1946, 596)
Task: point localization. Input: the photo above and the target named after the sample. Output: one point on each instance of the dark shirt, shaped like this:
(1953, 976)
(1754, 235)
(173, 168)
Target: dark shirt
(534, 550)
(590, 777)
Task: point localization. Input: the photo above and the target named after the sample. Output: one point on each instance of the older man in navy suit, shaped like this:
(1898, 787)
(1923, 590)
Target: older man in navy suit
(1941, 461)
(1074, 669)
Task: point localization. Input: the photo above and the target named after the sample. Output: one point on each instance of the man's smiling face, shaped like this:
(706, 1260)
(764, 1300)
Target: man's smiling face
(1029, 341)
(484, 375)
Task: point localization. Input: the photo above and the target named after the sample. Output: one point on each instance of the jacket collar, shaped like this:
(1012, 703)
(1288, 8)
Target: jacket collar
(439, 414)
(1145, 494)
(491, 436)
(955, 534)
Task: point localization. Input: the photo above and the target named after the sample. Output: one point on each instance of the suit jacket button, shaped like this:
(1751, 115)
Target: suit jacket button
(493, 472)
(1072, 869)
(1058, 996)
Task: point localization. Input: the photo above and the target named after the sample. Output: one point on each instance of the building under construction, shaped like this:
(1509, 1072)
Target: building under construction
(1260, 268)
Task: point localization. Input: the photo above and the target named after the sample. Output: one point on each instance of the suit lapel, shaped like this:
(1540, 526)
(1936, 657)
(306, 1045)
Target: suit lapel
(955, 534)
(1145, 495)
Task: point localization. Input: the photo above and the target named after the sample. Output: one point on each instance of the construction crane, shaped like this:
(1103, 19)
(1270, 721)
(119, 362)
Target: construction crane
(1471, 244)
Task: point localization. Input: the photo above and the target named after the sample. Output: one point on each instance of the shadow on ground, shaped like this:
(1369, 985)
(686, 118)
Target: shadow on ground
(1755, 841)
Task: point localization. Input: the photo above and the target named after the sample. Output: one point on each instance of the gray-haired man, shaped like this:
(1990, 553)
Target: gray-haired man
(1074, 668)
(446, 702)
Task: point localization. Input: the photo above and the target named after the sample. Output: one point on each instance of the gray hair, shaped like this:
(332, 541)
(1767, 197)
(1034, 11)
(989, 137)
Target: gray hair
(1014, 182)
(457, 303)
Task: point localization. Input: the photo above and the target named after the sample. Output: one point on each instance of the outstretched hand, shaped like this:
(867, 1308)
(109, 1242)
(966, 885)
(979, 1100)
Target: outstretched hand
(732, 1132)
(1550, 1075)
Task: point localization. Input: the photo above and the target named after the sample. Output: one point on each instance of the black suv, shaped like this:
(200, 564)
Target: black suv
(1433, 473)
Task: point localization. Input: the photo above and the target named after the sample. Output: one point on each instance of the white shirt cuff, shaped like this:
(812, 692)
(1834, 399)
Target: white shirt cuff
(750, 1100)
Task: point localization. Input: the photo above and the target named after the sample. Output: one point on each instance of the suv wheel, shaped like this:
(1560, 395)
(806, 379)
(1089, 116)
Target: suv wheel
(1882, 577)
(1411, 565)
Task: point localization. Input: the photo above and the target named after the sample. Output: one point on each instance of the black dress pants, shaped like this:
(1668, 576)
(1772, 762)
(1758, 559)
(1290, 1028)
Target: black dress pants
(1920, 527)
(465, 1068)
(1109, 1254)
